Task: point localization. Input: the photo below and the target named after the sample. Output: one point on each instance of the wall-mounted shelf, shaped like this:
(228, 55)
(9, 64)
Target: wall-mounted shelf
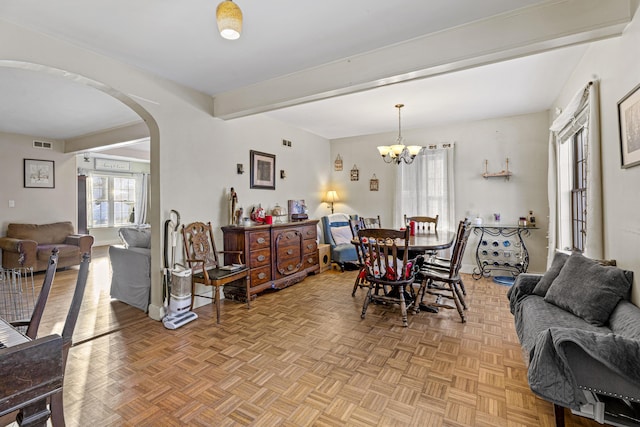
(506, 174)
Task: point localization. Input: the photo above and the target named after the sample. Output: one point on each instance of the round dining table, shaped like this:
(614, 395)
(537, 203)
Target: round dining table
(432, 241)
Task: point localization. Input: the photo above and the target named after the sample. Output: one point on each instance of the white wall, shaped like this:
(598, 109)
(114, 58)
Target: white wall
(523, 139)
(193, 155)
(35, 205)
(616, 62)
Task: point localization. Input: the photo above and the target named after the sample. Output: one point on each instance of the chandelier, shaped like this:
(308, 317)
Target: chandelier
(399, 152)
(229, 18)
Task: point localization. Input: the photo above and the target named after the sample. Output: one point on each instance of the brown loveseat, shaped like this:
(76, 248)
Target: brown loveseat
(30, 245)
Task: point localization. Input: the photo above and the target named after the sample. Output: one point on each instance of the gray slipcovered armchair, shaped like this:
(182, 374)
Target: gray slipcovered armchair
(131, 267)
(337, 234)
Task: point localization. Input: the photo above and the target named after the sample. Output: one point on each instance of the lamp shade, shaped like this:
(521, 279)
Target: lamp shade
(332, 196)
(229, 18)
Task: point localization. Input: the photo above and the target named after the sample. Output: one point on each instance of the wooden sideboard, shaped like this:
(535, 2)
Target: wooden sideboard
(278, 255)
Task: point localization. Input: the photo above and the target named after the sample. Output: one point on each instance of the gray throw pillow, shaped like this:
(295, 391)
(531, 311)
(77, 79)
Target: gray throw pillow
(136, 238)
(550, 275)
(588, 290)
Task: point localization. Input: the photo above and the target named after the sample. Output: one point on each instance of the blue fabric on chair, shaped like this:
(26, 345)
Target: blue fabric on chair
(341, 253)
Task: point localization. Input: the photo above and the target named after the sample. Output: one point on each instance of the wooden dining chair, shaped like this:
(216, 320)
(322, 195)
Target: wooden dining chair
(202, 257)
(423, 223)
(446, 282)
(389, 277)
(444, 263)
(33, 323)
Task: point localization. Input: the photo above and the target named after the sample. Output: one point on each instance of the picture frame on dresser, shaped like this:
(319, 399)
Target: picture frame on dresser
(629, 128)
(39, 173)
(263, 170)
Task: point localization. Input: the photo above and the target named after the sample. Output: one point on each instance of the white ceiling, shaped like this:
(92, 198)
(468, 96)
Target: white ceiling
(178, 40)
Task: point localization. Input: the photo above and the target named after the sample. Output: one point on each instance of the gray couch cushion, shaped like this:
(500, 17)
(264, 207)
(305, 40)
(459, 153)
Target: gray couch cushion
(550, 275)
(625, 320)
(136, 238)
(535, 316)
(587, 289)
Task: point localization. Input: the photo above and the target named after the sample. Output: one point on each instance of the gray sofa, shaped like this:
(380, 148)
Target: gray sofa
(131, 267)
(581, 336)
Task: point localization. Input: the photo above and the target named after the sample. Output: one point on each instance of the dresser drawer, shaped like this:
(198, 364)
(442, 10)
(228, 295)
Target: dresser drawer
(288, 252)
(260, 275)
(309, 232)
(259, 258)
(310, 246)
(285, 267)
(311, 259)
(259, 240)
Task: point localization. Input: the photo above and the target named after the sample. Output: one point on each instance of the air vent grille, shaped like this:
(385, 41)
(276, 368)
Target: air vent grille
(43, 145)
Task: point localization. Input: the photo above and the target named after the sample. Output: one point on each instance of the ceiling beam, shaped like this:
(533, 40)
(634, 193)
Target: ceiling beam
(523, 32)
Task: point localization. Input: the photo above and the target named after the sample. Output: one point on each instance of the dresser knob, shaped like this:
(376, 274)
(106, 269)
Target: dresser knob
(261, 257)
(290, 252)
(261, 240)
(310, 246)
(290, 267)
(261, 276)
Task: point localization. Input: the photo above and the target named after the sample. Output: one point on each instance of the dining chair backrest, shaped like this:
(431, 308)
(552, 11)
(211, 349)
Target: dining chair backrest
(373, 222)
(33, 323)
(199, 246)
(423, 223)
(385, 253)
(462, 237)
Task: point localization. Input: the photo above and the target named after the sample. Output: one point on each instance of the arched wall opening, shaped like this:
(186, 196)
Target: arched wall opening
(155, 308)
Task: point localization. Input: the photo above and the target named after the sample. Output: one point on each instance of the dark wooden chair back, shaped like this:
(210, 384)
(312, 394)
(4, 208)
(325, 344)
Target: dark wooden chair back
(57, 406)
(385, 255)
(33, 323)
(373, 222)
(423, 223)
(462, 237)
(200, 247)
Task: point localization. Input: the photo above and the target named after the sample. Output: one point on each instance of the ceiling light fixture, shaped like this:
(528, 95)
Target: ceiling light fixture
(399, 152)
(229, 18)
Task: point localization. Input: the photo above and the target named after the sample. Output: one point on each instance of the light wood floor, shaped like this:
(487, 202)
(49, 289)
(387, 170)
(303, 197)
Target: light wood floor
(300, 356)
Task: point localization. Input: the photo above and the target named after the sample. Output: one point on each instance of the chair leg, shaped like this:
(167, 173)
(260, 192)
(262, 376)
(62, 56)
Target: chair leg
(216, 297)
(457, 301)
(403, 307)
(464, 291)
(558, 411)
(359, 283)
(247, 286)
(460, 295)
(367, 299)
(57, 410)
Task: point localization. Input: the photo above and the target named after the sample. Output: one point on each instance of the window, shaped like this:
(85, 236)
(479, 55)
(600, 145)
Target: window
(579, 191)
(111, 200)
(572, 185)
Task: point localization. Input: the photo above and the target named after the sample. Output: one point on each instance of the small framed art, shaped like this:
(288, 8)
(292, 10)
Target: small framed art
(263, 170)
(39, 173)
(629, 126)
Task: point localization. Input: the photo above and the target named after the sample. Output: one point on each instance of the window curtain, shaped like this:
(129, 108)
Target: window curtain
(142, 198)
(587, 97)
(426, 187)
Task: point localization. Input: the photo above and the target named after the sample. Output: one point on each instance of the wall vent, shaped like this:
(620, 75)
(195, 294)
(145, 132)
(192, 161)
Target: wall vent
(42, 144)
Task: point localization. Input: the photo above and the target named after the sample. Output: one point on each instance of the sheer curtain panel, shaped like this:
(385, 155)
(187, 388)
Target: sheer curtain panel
(426, 187)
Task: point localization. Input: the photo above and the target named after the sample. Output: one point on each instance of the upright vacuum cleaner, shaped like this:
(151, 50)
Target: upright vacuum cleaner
(177, 280)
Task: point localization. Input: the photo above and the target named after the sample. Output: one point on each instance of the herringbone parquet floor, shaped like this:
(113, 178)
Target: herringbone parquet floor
(303, 357)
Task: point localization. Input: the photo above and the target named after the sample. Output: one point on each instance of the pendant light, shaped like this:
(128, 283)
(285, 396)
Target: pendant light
(229, 18)
(398, 152)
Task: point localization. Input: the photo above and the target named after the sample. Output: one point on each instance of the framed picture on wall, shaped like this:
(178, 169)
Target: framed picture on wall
(39, 173)
(629, 126)
(263, 170)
